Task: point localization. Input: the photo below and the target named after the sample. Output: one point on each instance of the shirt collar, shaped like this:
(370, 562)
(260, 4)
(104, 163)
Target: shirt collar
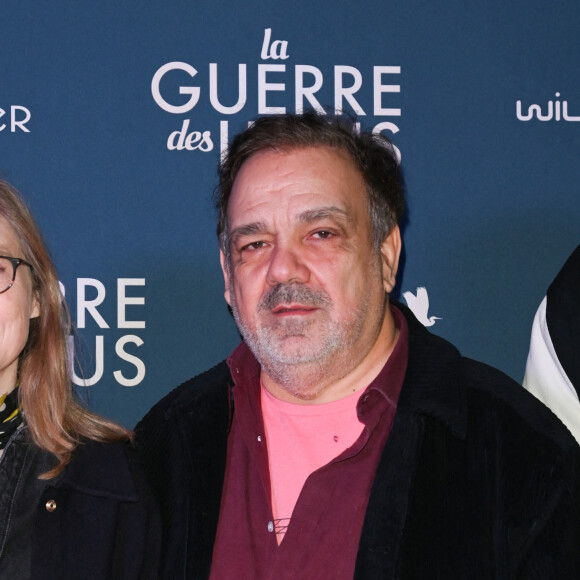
(390, 380)
(243, 364)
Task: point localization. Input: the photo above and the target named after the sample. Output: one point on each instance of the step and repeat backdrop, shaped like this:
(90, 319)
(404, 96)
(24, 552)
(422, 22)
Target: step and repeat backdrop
(113, 115)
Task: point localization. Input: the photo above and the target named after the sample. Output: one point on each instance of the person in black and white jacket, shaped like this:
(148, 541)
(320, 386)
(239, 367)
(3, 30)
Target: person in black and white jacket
(553, 367)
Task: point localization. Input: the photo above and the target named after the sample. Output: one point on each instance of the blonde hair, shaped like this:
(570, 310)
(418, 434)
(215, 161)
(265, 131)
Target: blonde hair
(56, 420)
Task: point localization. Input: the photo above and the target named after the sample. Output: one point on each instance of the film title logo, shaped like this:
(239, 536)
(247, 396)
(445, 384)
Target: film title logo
(90, 296)
(273, 81)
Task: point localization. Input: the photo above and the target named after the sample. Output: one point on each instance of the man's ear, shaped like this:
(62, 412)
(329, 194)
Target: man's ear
(390, 251)
(226, 273)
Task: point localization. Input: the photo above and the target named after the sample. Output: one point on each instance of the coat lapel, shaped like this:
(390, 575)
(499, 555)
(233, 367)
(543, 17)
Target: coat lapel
(432, 388)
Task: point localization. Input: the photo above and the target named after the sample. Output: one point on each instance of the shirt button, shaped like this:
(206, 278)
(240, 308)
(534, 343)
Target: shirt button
(259, 438)
(50, 505)
(270, 526)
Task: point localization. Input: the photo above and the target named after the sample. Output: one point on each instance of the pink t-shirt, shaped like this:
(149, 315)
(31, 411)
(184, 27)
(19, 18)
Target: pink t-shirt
(300, 440)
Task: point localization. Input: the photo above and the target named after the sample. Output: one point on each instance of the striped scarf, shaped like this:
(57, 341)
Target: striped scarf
(10, 416)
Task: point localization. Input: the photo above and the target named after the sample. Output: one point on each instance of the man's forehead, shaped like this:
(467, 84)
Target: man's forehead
(274, 168)
(302, 184)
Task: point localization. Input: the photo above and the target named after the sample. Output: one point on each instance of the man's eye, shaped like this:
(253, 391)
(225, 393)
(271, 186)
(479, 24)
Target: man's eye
(253, 246)
(323, 234)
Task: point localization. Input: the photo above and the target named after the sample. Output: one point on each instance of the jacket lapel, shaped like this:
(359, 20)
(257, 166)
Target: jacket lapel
(431, 388)
(203, 426)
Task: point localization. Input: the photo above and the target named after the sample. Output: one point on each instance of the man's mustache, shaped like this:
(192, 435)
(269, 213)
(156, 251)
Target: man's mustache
(293, 294)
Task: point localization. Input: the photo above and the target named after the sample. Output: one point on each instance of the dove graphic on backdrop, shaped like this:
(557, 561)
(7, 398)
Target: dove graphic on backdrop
(419, 304)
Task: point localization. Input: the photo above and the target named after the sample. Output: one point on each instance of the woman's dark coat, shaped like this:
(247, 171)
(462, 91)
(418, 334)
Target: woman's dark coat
(95, 521)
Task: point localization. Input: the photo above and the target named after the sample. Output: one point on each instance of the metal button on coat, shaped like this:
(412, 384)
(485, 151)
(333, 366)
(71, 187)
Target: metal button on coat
(50, 505)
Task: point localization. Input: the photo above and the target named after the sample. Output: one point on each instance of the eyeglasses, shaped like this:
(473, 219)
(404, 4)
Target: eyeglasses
(8, 267)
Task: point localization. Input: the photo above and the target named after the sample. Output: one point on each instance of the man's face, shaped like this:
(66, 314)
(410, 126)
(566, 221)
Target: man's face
(305, 284)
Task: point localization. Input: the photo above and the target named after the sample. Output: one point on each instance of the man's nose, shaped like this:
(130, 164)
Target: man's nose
(287, 266)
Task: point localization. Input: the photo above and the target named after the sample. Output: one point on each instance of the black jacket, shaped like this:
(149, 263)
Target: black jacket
(96, 521)
(477, 479)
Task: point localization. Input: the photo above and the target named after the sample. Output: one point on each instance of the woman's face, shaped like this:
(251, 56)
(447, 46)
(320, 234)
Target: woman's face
(17, 307)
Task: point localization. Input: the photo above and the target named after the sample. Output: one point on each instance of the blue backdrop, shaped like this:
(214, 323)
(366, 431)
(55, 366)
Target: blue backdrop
(112, 116)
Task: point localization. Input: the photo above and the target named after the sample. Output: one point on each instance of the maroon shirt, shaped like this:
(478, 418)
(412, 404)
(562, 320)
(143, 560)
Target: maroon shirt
(324, 532)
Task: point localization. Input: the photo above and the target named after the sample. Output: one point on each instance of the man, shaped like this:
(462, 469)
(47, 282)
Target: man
(341, 439)
(553, 366)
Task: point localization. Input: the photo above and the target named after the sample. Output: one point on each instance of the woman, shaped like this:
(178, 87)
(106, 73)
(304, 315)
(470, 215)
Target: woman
(72, 501)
